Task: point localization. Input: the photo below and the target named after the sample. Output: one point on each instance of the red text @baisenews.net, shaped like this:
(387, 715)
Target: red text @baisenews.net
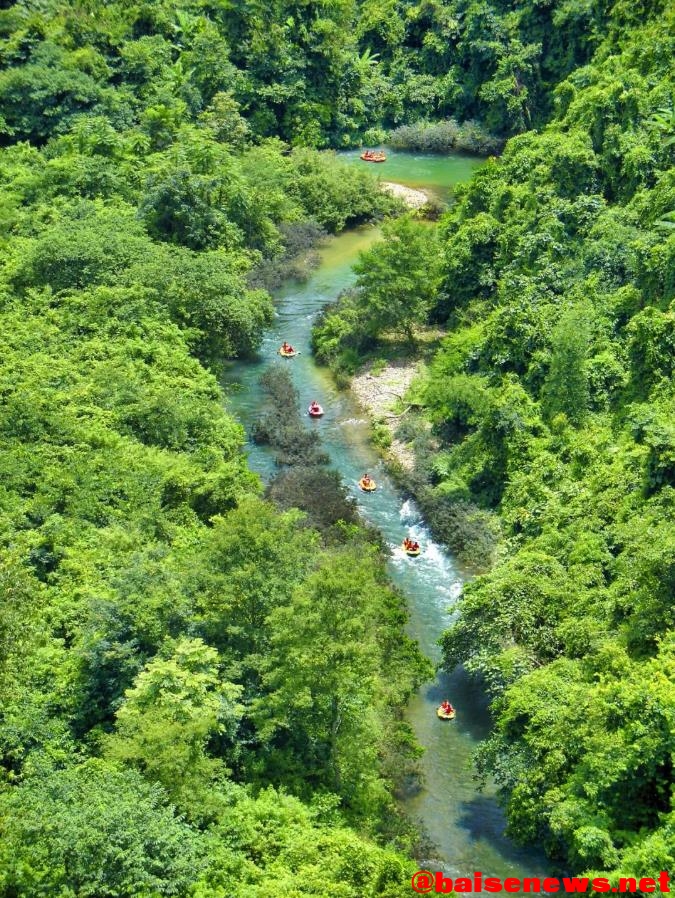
(427, 882)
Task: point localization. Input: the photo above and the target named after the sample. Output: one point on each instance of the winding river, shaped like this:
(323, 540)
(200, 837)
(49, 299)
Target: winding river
(465, 825)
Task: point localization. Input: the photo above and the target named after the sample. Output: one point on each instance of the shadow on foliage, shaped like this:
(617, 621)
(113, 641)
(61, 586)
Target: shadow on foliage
(304, 481)
(297, 260)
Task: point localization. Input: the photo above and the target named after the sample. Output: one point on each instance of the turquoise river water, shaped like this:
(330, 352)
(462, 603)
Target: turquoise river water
(465, 826)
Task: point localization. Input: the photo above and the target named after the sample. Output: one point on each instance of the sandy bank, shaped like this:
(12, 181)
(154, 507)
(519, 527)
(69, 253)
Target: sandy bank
(380, 394)
(415, 199)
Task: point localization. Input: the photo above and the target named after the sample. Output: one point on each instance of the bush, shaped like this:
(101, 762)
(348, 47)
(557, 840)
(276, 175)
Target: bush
(436, 137)
(115, 836)
(469, 532)
(317, 491)
(297, 260)
(381, 436)
(338, 336)
(445, 136)
(282, 427)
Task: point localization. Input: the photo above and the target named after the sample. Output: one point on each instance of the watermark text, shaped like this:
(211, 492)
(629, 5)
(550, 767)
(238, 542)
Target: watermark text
(425, 882)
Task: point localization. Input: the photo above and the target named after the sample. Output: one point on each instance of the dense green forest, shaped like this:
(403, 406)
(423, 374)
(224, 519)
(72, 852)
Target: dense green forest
(313, 73)
(546, 447)
(158, 697)
(201, 686)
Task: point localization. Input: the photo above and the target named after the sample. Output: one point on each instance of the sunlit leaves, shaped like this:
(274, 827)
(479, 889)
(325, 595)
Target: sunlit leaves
(397, 278)
(177, 703)
(94, 830)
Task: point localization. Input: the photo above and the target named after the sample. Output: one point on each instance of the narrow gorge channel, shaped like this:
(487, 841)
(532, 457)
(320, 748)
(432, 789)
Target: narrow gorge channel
(465, 825)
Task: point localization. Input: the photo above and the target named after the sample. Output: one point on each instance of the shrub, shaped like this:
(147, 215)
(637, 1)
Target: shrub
(469, 532)
(445, 136)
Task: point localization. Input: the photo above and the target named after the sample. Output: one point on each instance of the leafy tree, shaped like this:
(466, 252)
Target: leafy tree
(596, 783)
(97, 831)
(398, 277)
(322, 672)
(566, 388)
(182, 208)
(651, 347)
(469, 262)
(255, 559)
(282, 842)
(223, 118)
(44, 95)
(175, 706)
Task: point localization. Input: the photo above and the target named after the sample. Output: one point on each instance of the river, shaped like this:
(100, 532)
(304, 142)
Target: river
(465, 825)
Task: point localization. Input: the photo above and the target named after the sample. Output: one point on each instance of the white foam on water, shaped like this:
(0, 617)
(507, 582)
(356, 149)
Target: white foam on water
(409, 512)
(397, 553)
(456, 589)
(436, 555)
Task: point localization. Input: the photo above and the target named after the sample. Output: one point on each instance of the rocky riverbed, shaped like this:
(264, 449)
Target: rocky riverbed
(381, 392)
(415, 199)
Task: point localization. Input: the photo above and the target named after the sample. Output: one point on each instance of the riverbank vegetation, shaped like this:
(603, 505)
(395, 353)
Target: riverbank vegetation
(550, 403)
(444, 137)
(396, 282)
(149, 638)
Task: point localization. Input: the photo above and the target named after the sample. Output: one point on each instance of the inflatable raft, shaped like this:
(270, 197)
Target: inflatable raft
(372, 156)
(367, 486)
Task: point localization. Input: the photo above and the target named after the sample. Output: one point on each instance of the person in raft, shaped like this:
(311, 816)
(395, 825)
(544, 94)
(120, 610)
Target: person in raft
(410, 544)
(365, 480)
(287, 347)
(446, 707)
(314, 406)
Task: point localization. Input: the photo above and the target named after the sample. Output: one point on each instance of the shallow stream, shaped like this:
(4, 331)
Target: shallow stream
(465, 825)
